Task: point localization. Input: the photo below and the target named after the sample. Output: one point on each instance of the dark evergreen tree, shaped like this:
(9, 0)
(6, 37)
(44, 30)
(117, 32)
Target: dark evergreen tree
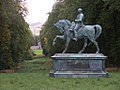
(5, 55)
(14, 39)
(109, 19)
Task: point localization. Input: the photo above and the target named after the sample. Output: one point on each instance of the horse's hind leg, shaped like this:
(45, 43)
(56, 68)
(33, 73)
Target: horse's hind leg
(96, 44)
(85, 45)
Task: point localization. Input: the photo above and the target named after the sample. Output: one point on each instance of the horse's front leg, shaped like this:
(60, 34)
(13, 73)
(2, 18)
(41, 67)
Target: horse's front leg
(58, 36)
(66, 45)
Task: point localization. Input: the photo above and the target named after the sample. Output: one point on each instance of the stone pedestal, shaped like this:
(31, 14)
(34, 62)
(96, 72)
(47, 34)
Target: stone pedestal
(78, 65)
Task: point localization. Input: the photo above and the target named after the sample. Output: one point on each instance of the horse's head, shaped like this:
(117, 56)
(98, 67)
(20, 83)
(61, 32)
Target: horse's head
(59, 26)
(62, 25)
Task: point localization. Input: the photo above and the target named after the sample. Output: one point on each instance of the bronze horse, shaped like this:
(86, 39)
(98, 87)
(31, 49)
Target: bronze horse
(87, 32)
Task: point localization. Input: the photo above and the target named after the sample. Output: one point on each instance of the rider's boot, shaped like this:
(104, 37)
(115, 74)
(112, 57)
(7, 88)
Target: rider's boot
(75, 37)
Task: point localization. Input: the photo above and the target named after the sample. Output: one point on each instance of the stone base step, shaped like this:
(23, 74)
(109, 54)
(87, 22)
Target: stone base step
(80, 74)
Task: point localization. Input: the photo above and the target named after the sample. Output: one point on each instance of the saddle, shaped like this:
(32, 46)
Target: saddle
(72, 28)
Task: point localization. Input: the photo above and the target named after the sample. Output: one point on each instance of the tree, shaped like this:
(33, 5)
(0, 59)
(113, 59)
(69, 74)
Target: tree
(14, 38)
(5, 56)
(109, 18)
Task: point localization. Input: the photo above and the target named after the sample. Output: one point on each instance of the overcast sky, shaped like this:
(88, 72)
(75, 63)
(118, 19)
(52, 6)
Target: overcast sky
(38, 10)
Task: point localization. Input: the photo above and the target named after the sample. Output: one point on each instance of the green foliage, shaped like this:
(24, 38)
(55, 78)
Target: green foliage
(109, 19)
(5, 55)
(14, 39)
(31, 38)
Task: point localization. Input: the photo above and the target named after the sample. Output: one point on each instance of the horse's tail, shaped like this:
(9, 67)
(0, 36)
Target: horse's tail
(98, 30)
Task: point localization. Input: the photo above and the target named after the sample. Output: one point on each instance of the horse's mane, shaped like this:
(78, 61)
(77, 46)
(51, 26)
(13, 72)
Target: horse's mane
(65, 21)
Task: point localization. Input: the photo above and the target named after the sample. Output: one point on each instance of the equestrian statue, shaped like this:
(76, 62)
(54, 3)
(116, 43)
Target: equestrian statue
(77, 30)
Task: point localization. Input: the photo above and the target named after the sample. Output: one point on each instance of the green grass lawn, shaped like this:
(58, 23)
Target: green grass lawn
(34, 75)
(38, 52)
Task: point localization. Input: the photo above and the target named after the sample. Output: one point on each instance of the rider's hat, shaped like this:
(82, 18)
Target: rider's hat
(79, 9)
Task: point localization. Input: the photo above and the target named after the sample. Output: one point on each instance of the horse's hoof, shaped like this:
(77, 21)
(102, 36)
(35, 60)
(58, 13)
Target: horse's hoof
(53, 43)
(80, 52)
(63, 52)
(97, 53)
